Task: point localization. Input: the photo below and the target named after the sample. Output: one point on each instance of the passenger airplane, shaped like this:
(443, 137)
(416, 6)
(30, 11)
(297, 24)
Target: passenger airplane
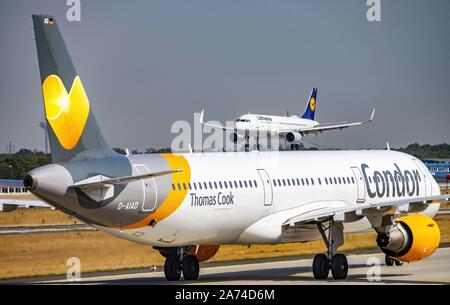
(290, 128)
(187, 205)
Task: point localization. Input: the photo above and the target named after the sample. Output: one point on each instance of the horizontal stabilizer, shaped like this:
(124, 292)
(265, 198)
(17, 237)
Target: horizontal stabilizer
(100, 181)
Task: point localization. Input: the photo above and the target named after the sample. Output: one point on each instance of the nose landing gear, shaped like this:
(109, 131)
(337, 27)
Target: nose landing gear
(390, 261)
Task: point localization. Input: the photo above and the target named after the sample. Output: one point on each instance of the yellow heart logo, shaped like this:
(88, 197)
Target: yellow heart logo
(67, 113)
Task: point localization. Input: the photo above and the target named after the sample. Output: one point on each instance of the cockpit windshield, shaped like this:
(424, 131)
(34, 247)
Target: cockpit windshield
(243, 120)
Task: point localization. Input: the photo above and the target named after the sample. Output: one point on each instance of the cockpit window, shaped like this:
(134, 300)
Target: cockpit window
(243, 120)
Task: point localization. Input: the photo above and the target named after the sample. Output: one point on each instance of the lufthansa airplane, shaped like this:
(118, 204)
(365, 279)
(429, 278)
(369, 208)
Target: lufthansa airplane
(289, 128)
(187, 205)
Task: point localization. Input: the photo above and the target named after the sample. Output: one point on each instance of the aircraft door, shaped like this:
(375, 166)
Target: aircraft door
(268, 192)
(150, 192)
(359, 184)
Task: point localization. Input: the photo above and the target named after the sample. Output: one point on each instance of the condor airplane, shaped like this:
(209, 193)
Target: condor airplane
(187, 205)
(290, 128)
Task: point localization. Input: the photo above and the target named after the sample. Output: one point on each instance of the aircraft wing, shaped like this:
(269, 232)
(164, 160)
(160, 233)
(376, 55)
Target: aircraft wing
(272, 226)
(328, 211)
(326, 127)
(25, 202)
(225, 128)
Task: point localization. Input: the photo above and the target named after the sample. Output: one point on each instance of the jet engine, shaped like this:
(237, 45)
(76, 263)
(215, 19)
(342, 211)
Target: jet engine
(203, 252)
(293, 136)
(411, 238)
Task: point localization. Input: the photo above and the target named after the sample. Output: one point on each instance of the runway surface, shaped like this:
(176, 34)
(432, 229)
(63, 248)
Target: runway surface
(45, 229)
(434, 270)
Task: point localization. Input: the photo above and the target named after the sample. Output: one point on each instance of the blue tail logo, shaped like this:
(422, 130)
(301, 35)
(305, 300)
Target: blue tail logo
(311, 106)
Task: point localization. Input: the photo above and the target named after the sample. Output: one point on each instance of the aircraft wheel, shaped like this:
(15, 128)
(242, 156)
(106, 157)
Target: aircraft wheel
(172, 268)
(191, 268)
(339, 266)
(389, 260)
(398, 263)
(321, 266)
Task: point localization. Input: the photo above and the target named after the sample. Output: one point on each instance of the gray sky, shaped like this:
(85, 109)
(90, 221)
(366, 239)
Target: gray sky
(145, 64)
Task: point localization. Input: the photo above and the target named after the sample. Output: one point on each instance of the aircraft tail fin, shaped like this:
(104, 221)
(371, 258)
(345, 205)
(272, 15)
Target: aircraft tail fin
(72, 128)
(311, 106)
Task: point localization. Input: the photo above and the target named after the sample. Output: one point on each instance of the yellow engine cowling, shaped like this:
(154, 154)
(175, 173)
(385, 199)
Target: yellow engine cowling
(203, 252)
(413, 238)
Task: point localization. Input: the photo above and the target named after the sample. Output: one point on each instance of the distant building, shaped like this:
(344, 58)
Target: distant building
(12, 187)
(13, 194)
(439, 168)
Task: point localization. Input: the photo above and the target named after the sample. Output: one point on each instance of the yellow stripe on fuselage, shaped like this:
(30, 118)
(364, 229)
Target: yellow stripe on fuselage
(174, 198)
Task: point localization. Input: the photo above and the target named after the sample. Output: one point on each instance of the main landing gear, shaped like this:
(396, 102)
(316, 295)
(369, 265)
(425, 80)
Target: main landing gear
(336, 262)
(177, 262)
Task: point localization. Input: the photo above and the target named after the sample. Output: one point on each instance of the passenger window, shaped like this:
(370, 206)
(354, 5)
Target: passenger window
(254, 183)
(274, 182)
(279, 182)
(293, 181)
(215, 185)
(205, 185)
(284, 182)
(288, 182)
(245, 183)
(210, 185)
(230, 184)
(240, 183)
(235, 184)
(250, 183)
(339, 180)
(353, 180)
(220, 184)
(298, 182)
(200, 185)
(184, 186)
(173, 187)
(320, 182)
(189, 186)
(326, 180)
(225, 184)
(348, 180)
(303, 182)
(335, 180)
(312, 181)
(307, 181)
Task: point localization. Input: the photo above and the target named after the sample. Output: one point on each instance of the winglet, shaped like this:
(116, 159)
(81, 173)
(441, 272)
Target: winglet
(371, 116)
(201, 117)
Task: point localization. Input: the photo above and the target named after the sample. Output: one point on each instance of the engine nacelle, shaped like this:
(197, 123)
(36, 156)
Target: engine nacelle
(203, 252)
(293, 137)
(412, 238)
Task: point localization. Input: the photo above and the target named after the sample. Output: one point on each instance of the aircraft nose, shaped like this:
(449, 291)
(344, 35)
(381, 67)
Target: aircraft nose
(241, 126)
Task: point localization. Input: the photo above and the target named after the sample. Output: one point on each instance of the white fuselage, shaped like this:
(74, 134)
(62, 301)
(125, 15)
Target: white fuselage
(264, 125)
(287, 183)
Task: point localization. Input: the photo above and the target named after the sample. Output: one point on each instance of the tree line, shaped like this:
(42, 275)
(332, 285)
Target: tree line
(15, 166)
